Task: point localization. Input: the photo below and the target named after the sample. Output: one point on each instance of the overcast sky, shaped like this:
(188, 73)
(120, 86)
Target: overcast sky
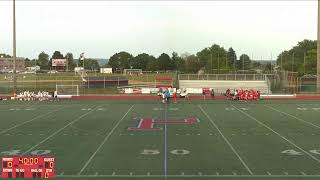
(258, 28)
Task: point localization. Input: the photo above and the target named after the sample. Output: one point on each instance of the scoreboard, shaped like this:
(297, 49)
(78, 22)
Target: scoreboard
(27, 167)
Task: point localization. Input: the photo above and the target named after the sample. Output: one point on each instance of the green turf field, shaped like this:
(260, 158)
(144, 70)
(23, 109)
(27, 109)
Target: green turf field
(228, 140)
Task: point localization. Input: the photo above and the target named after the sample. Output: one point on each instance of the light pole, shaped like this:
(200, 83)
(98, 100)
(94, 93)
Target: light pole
(318, 50)
(14, 48)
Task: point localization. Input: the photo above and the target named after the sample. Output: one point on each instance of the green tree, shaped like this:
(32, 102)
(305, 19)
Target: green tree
(153, 65)
(165, 62)
(213, 58)
(28, 63)
(70, 61)
(57, 55)
(5, 55)
(179, 62)
(141, 61)
(193, 64)
(91, 64)
(293, 59)
(311, 62)
(120, 60)
(231, 58)
(244, 62)
(43, 60)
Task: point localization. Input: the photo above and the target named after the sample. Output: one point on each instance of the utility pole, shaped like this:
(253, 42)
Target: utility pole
(211, 62)
(292, 62)
(271, 64)
(14, 49)
(218, 63)
(281, 62)
(304, 64)
(234, 63)
(242, 64)
(318, 50)
(226, 62)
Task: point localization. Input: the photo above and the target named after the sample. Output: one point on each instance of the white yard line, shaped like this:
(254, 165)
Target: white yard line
(285, 139)
(104, 141)
(290, 115)
(59, 130)
(226, 140)
(165, 139)
(188, 176)
(35, 118)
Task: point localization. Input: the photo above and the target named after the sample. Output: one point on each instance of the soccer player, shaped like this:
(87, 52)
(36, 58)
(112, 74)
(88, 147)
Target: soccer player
(174, 95)
(167, 95)
(212, 93)
(163, 95)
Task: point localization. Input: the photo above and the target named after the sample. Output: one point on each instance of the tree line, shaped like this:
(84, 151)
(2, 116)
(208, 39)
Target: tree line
(213, 59)
(300, 58)
(45, 61)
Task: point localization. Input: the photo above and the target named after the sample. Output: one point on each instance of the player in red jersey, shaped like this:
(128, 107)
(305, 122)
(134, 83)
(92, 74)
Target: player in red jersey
(174, 96)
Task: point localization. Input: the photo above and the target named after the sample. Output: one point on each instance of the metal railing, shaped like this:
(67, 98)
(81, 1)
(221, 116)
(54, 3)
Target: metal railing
(224, 77)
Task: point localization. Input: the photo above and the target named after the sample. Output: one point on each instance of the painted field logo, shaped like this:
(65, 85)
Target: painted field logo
(147, 124)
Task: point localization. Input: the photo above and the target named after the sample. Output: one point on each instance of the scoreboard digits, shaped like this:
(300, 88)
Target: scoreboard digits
(27, 167)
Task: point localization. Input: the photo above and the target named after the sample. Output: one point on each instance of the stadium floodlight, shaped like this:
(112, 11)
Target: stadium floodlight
(82, 58)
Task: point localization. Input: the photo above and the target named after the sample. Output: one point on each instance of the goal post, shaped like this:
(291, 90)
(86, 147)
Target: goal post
(64, 90)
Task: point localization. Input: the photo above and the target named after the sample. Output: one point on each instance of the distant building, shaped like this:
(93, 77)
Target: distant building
(6, 64)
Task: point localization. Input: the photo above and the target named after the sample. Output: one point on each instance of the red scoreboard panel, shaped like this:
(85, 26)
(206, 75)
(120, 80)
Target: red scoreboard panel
(27, 167)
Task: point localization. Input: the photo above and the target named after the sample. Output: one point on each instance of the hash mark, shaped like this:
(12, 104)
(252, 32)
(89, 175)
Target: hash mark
(200, 173)
(217, 173)
(182, 174)
(96, 174)
(148, 174)
(303, 173)
(131, 173)
(286, 173)
(234, 173)
(114, 173)
(269, 173)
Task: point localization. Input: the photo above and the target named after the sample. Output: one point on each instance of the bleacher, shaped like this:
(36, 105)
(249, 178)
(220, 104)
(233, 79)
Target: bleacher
(220, 85)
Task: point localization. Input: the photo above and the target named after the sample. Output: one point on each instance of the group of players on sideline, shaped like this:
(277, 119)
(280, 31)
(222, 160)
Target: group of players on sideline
(238, 94)
(243, 95)
(165, 94)
(32, 96)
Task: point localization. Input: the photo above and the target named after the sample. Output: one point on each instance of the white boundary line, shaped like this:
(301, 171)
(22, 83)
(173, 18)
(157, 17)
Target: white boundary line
(226, 140)
(59, 130)
(188, 176)
(35, 118)
(295, 117)
(104, 141)
(285, 139)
